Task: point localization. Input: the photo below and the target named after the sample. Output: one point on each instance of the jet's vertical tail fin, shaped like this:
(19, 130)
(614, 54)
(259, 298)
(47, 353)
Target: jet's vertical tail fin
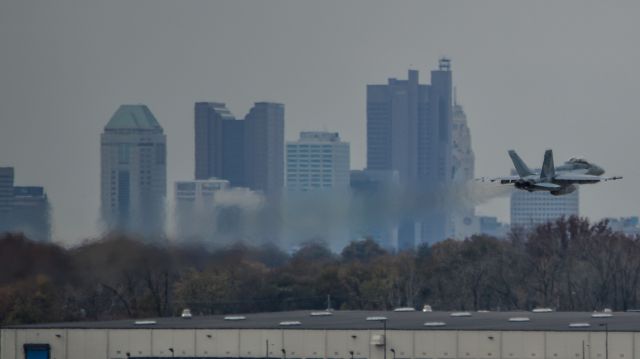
(519, 164)
(548, 169)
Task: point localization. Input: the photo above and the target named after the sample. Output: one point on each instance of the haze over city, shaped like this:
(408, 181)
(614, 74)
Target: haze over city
(530, 76)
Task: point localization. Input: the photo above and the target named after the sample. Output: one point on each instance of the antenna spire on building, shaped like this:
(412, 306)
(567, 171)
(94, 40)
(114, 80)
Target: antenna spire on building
(444, 64)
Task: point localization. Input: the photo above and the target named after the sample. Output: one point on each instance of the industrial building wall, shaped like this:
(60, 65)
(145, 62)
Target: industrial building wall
(346, 344)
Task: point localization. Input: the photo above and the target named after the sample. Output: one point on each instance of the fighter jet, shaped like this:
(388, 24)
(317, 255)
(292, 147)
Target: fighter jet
(559, 180)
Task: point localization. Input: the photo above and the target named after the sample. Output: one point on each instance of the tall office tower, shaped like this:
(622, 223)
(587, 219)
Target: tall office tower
(264, 139)
(318, 160)
(6, 197)
(133, 172)
(464, 221)
(530, 209)
(195, 207)
(409, 130)
(247, 153)
(219, 143)
(462, 153)
(31, 213)
(373, 194)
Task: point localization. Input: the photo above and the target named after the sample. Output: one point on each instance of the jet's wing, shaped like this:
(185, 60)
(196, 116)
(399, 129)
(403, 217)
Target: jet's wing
(505, 179)
(577, 178)
(611, 178)
(547, 185)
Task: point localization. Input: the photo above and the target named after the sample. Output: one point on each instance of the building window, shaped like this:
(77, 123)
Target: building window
(123, 153)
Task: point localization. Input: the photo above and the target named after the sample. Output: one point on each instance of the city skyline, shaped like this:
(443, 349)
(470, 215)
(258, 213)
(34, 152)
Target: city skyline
(66, 83)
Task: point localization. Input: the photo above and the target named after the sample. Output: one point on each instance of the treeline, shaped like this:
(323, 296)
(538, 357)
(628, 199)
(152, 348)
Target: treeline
(568, 265)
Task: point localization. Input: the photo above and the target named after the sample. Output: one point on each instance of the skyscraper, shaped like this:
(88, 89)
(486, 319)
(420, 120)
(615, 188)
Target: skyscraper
(318, 160)
(409, 130)
(247, 153)
(133, 172)
(464, 221)
(219, 143)
(463, 157)
(264, 151)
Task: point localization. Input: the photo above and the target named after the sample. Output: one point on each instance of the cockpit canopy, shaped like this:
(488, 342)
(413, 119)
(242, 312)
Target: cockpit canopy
(579, 160)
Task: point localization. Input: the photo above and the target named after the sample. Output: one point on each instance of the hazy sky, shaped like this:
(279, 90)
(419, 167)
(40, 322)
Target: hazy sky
(531, 75)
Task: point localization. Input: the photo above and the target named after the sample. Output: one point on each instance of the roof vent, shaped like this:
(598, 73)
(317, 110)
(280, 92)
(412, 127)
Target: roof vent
(321, 314)
(519, 319)
(144, 322)
(377, 339)
(542, 310)
(376, 318)
(460, 314)
(579, 325)
(186, 314)
(290, 323)
(601, 315)
(405, 309)
(435, 324)
(235, 317)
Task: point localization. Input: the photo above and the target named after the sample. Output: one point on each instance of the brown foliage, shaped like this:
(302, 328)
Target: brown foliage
(569, 265)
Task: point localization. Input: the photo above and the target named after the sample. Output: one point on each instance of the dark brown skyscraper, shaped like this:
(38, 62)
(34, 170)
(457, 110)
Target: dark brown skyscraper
(247, 153)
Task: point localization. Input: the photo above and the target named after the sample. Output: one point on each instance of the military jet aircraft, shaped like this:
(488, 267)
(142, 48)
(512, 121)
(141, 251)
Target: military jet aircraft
(559, 180)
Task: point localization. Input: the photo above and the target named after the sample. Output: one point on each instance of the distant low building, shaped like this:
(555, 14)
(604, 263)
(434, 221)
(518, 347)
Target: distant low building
(23, 209)
(492, 227)
(30, 213)
(627, 225)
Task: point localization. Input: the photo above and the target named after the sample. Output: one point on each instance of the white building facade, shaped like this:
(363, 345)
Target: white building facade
(318, 160)
(504, 335)
(530, 209)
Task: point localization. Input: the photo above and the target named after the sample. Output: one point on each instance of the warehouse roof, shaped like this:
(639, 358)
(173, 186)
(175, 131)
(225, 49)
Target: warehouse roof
(359, 320)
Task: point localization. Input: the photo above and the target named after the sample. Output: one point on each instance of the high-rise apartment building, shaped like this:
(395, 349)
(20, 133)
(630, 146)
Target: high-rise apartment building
(409, 130)
(247, 153)
(530, 209)
(318, 160)
(133, 172)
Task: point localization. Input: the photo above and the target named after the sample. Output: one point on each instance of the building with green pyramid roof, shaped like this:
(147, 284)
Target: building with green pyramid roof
(133, 172)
